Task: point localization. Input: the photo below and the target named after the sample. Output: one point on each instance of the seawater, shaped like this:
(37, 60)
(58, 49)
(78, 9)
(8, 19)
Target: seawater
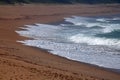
(94, 40)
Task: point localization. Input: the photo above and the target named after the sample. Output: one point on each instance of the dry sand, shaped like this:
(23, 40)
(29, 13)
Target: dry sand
(19, 62)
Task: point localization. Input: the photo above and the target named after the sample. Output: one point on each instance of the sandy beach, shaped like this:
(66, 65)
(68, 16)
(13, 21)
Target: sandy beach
(20, 62)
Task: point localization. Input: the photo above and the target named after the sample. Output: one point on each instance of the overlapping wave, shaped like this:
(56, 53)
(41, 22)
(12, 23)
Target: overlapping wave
(105, 30)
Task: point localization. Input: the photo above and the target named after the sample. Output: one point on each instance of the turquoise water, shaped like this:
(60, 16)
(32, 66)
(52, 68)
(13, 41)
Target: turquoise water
(94, 40)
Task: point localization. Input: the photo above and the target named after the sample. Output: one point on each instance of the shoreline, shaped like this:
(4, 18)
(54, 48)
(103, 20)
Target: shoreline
(117, 71)
(36, 63)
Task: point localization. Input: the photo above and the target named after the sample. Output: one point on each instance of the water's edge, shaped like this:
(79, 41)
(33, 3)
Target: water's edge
(116, 71)
(53, 53)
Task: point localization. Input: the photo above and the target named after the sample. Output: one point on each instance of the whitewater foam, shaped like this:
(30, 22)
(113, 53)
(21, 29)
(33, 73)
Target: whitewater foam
(80, 38)
(92, 22)
(77, 42)
(98, 55)
(102, 20)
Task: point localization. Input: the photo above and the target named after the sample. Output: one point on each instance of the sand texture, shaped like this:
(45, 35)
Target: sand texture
(20, 62)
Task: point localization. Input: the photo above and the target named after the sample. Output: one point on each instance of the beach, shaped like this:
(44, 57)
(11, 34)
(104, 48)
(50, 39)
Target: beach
(20, 62)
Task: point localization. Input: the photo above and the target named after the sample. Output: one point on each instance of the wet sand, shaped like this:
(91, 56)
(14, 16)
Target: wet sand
(20, 62)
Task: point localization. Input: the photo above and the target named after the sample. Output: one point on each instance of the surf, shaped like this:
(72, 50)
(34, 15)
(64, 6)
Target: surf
(91, 40)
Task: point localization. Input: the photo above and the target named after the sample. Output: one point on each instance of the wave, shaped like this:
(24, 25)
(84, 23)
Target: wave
(116, 18)
(111, 27)
(93, 22)
(80, 43)
(81, 21)
(39, 31)
(97, 55)
(114, 34)
(102, 20)
(91, 40)
(107, 19)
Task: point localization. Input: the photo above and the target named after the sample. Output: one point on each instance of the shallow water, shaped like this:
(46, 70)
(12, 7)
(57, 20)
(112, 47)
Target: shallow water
(94, 40)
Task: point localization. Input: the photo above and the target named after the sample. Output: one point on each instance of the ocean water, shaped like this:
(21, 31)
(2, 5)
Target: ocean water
(93, 40)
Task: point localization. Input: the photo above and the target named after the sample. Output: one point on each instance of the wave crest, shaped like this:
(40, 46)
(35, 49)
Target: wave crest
(80, 38)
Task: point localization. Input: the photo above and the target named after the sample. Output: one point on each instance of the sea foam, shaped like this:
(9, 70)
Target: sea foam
(77, 42)
(79, 38)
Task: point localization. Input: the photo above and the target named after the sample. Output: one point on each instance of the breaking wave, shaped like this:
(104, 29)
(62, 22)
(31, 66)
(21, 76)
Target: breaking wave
(90, 40)
(87, 39)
